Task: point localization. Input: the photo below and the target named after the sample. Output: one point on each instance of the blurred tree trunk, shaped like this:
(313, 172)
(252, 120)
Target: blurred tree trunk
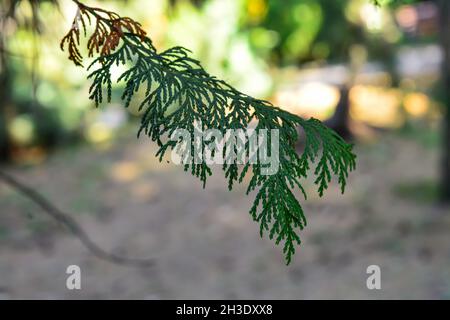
(5, 100)
(339, 122)
(444, 9)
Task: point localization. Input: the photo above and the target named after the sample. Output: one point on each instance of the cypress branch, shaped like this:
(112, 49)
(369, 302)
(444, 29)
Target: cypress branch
(171, 78)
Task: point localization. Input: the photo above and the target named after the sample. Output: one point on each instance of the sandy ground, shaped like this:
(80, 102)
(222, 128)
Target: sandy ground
(203, 241)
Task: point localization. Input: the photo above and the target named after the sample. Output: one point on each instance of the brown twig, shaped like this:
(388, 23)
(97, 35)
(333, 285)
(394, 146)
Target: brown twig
(71, 224)
(109, 30)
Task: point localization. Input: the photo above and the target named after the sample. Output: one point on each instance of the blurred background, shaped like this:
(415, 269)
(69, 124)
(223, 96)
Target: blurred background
(374, 74)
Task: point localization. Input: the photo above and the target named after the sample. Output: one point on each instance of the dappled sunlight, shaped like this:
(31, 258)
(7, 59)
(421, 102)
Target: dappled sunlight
(145, 191)
(99, 133)
(376, 106)
(312, 99)
(101, 126)
(417, 104)
(372, 17)
(125, 171)
(257, 9)
(22, 130)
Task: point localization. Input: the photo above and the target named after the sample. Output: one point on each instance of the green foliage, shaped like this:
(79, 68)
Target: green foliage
(393, 2)
(172, 78)
(297, 23)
